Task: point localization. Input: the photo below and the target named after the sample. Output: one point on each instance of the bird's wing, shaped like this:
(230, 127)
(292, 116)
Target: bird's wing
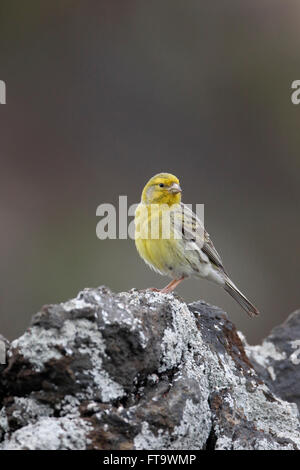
(209, 249)
(193, 231)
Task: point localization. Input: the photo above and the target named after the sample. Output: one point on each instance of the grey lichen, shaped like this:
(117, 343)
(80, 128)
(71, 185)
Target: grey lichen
(50, 434)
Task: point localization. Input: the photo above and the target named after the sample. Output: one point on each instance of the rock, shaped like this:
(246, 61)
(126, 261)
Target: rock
(143, 370)
(277, 360)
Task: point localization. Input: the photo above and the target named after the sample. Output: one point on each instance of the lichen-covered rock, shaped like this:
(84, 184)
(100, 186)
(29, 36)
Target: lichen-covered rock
(277, 359)
(50, 434)
(141, 370)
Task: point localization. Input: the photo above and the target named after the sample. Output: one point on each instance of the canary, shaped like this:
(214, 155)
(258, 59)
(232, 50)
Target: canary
(172, 240)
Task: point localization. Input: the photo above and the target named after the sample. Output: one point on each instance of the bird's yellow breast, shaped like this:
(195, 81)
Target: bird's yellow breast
(156, 246)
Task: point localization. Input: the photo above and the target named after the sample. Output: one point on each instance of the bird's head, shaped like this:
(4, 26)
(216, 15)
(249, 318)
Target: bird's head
(162, 189)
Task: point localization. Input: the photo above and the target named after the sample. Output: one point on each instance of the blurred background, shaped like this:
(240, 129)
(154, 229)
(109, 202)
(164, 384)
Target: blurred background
(103, 94)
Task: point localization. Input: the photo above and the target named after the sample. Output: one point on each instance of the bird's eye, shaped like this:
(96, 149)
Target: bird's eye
(161, 185)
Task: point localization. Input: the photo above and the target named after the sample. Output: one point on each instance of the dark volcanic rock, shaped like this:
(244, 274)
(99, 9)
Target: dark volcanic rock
(142, 370)
(277, 360)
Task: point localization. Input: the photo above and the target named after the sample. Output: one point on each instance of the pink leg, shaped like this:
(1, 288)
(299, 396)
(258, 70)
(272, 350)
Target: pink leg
(172, 285)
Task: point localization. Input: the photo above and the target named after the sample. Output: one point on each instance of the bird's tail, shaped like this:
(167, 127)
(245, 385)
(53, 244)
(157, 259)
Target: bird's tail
(240, 298)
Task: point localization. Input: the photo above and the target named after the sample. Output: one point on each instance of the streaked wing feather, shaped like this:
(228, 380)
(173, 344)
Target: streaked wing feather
(209, 249)
(193, 227)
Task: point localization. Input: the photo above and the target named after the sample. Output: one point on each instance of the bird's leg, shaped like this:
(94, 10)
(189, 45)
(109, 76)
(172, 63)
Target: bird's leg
(168, 288)
(172, 285)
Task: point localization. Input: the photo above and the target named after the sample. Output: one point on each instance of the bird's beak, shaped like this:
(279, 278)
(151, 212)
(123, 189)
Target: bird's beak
(175, 188)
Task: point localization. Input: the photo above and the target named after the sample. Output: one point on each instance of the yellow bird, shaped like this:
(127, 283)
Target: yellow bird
(172, 240)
